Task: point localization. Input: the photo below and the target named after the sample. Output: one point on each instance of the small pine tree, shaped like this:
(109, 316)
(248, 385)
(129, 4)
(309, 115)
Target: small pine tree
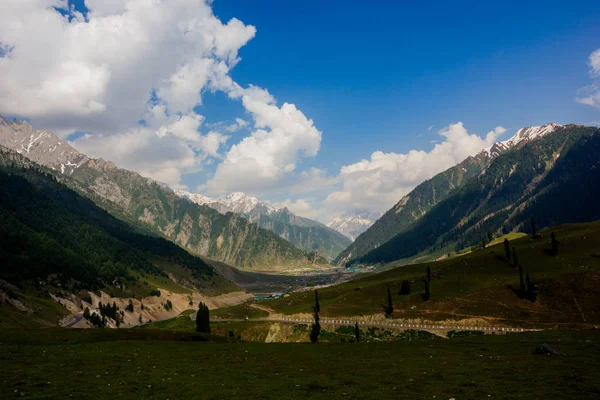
(507, 249)
(129, 306)
(427, 295)
(86, 313)
(315, 330)
(533, 230)
(554, 245)
(405, 288)
(531, 295)
(389, 308)
(522, 286)
(140, 319)
(203, 319)
(428, 274)
(356, 332)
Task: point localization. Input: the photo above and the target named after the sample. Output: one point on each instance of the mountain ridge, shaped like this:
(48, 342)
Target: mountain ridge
(142, 201)
(422, 198)
(533, 180)
(304, 233)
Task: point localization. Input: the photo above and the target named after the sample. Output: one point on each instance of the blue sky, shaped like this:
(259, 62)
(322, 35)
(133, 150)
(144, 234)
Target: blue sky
(374, 76)
(384, 76)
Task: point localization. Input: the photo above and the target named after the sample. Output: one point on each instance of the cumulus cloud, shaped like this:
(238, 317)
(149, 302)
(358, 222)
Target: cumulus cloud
(132, 150)
(590, 95)
(262, 160)
(379, 182)
(303, 207)
(125, 61)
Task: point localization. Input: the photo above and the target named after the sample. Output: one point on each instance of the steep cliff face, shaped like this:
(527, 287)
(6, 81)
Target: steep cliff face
(429, 193)
(226, 237)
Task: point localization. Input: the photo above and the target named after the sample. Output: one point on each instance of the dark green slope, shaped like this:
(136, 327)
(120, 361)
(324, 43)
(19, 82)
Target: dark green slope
(412, 206)
(541, 177)
(50, 231)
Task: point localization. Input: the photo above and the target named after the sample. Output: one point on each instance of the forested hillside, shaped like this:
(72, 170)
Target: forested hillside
(551, 179)
(51, 233)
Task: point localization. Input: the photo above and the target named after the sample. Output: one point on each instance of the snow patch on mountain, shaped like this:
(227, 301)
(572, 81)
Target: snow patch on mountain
(352, 225)
(236, 202)
(526, 134)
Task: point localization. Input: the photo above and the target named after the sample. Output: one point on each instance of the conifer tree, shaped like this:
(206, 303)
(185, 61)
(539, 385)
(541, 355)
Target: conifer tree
(427, 295)
(530, 289)
(522, 287)
(389, 308)
(405, 288)
(554, 245)
(315, 330)
(203, 319)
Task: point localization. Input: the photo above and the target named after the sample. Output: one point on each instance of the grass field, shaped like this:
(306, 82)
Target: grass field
(125, 364)
(481, 285)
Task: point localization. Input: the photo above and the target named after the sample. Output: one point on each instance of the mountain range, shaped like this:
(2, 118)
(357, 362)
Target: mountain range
(303, 233)
(536, 173)
(152, 206)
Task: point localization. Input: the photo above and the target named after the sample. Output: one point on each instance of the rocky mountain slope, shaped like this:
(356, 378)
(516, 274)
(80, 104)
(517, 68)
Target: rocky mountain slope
(302, 232)
(553, 179)
(352, 225)
(127, 195)
(425, 196)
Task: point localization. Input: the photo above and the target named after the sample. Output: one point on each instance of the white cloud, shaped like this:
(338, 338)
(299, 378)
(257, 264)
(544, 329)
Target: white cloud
(379, 182)
(263, 160)
(590, 95)
(170, 156)
(301, 207)
(594, 63)
(66, 73)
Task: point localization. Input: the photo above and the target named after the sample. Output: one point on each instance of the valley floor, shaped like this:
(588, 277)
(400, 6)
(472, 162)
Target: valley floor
(124, 364)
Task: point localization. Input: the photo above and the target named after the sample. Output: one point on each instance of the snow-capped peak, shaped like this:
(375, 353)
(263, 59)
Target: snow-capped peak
(523, 135)
(236, 202)
(194, 197)
(352, 225)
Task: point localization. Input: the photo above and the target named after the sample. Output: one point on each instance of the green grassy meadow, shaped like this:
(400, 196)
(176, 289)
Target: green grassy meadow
(481, 285)
(125, 364)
